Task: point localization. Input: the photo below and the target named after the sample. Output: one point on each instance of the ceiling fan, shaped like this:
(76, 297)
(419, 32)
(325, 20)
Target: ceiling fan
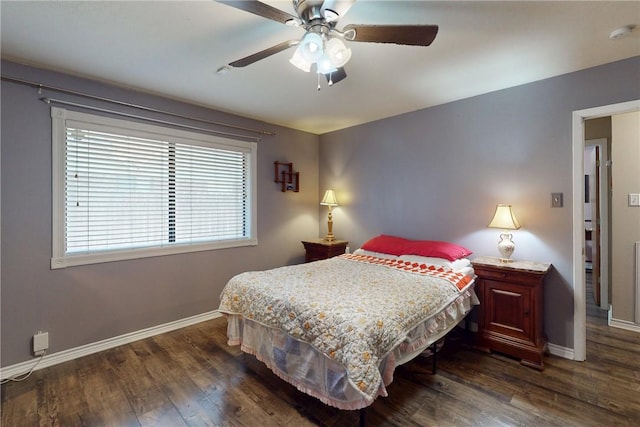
(323, 45)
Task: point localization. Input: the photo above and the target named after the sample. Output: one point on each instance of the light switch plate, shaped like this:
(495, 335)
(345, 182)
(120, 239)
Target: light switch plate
(634, 199)
(556, 200)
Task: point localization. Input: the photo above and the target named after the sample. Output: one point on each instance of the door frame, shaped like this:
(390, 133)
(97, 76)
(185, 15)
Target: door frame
(579, 291)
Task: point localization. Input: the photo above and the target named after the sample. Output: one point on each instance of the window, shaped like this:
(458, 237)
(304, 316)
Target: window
(124, 190)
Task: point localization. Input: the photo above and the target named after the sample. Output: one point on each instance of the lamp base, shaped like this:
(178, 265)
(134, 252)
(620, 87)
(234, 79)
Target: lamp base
(506, 247)
(330, 237)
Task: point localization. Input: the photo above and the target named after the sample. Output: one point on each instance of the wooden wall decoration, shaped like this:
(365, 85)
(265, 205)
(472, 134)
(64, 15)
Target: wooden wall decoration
(286, 177)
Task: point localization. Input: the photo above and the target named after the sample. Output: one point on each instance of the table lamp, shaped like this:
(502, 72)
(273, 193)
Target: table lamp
(506, 220)
(330, 200)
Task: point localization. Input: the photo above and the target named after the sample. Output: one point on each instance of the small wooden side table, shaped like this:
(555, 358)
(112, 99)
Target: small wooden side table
(322, 249)
(511, 312)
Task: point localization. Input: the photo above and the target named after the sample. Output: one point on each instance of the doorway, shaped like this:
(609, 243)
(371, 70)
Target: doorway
(578, 262)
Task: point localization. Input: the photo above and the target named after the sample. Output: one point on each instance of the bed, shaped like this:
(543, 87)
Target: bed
(337, 328)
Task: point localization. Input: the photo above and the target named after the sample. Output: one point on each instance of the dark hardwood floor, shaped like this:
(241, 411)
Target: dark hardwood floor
(190, 377)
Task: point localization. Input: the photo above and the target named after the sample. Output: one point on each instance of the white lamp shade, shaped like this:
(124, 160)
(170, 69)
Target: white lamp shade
(299, 62)
(338, 52)
(311, 47)
(329, 199)
(504, 218)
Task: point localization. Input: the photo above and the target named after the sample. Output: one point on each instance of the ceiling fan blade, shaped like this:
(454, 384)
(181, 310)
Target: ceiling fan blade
(413, 35)
(340, 7)
(336, 76)
(248, 60)
(260, 9)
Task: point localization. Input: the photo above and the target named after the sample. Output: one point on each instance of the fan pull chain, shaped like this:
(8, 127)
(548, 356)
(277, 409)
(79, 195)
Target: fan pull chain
(318, 75)
(330, 82)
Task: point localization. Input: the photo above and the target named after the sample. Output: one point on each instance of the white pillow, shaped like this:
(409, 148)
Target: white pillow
(456, 265)
(375, 254)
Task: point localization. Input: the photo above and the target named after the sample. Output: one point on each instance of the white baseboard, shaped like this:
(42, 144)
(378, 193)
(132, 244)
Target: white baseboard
(560, 351)
(85, 350)
(624, 324)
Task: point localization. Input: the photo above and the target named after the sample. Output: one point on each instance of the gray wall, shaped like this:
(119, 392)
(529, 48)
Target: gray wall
(82, 305)
(438, 173)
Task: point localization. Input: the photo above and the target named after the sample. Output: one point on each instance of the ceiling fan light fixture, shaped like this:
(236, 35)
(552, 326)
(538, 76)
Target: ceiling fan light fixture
(299, 62)
(338, 52)
(311, 47)
(327, 53)
(325, 65)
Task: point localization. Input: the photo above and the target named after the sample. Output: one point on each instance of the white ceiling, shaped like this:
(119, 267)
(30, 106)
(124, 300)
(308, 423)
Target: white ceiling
(174, 48)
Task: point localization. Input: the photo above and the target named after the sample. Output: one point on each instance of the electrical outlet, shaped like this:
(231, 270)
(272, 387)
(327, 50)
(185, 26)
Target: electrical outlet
(40, 343)
(634, 199)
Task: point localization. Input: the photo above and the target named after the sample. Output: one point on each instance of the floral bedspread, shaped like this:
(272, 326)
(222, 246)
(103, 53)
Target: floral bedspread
(352, 308)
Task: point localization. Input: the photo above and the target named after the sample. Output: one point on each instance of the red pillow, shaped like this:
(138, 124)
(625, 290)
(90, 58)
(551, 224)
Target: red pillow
(431, 248)
(386, 244)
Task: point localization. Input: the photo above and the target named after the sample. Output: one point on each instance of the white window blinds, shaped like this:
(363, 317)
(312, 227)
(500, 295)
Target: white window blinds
(129, 190)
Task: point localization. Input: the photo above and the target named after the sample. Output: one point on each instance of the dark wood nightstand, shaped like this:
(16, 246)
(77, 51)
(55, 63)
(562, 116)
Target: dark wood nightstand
(511, 311)
(323, 249)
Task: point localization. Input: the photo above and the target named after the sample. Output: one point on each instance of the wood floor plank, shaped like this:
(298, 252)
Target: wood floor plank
(165, 415)
(220, 385)
(562, 398)
(107, 401)
(62, 399)
(141, 390)
(21, 404)
(190, 402)
(458, 401)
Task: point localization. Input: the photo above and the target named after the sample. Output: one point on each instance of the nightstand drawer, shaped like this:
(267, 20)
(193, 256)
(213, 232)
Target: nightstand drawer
(505, 274)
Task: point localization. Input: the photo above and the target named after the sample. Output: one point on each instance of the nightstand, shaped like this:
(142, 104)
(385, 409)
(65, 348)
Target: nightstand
(511, 311)
(323, 249)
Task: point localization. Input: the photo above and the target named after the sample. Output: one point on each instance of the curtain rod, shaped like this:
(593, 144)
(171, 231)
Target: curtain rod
(164, 122)
(41, 86)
